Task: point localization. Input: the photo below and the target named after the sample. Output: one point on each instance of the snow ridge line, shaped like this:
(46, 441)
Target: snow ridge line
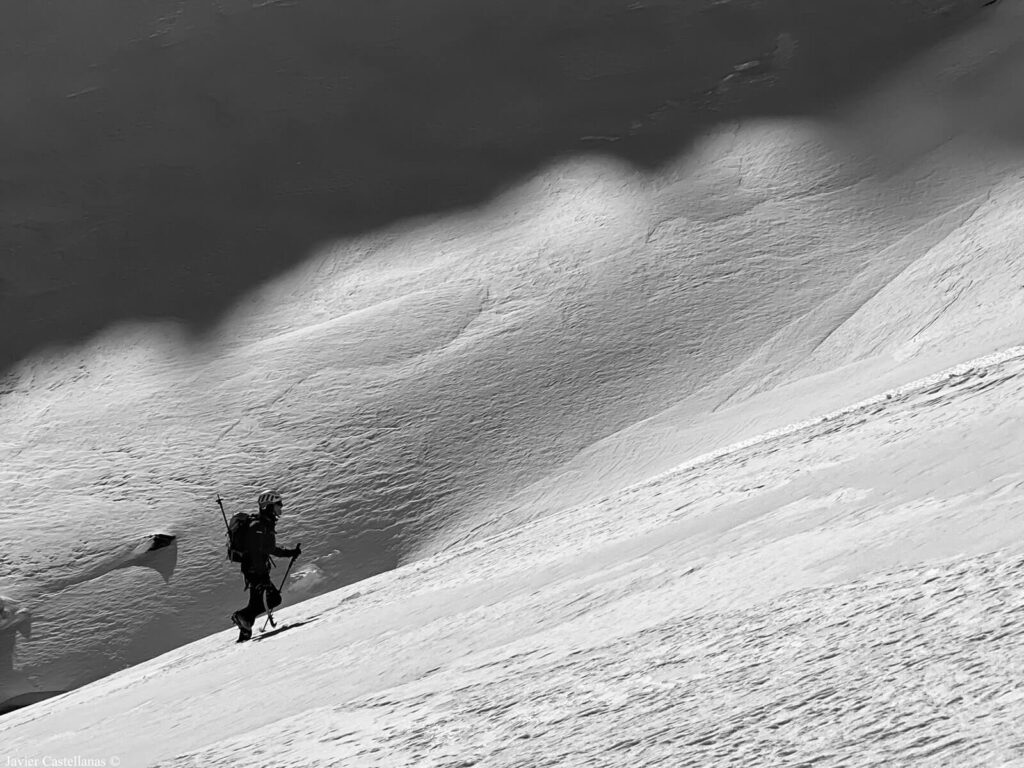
(987, 362)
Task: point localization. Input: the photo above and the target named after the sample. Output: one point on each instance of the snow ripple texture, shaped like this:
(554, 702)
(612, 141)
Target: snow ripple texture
(916, 667)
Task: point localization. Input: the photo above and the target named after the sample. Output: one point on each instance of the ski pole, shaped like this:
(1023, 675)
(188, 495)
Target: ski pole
(223, 513)
(270, 616)
(288, 569)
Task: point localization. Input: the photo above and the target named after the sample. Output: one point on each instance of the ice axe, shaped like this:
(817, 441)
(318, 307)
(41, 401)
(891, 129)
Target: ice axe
(270, 615)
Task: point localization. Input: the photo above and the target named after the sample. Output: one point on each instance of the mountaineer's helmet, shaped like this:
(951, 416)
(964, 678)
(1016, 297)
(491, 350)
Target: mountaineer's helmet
(270, 501)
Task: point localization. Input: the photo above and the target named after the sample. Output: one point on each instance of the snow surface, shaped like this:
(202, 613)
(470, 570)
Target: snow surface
(698, 466)
(844, 591)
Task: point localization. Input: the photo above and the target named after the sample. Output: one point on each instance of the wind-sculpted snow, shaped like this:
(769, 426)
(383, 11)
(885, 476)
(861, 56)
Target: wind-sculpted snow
(446, 379)
(13, 618)
(158, 552)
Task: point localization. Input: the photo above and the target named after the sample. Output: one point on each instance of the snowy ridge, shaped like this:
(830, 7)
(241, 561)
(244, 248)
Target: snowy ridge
(952, 376)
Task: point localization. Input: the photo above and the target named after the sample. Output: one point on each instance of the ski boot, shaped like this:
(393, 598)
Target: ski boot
(244, 627)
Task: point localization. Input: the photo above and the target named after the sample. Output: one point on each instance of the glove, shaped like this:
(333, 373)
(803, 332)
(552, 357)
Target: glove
(297, 551)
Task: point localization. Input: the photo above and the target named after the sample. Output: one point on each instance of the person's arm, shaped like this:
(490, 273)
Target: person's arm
(279, 552)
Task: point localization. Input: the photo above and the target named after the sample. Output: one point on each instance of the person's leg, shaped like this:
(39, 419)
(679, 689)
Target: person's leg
(255, 606)
(263, 596)
(243, 618)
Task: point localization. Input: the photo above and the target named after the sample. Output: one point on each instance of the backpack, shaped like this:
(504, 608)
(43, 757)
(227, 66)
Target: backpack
(239, 540)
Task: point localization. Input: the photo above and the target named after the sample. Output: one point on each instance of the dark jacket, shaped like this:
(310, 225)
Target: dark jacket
(262, 545)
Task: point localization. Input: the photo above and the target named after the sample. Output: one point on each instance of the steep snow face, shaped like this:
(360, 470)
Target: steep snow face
(431, 383)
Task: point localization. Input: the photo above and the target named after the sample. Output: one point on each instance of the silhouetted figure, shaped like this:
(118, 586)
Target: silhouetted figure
(260, 545)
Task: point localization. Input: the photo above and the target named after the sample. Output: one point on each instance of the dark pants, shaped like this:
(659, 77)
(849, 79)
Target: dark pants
(263, 595)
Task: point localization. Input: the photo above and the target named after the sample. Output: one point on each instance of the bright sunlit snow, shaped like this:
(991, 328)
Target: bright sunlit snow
(716, 464)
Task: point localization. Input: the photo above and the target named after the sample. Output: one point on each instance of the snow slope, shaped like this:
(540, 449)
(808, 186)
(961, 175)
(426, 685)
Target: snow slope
(450, 378)
(844, 591)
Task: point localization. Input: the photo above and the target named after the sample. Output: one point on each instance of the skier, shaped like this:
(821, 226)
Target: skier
(261, 543)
